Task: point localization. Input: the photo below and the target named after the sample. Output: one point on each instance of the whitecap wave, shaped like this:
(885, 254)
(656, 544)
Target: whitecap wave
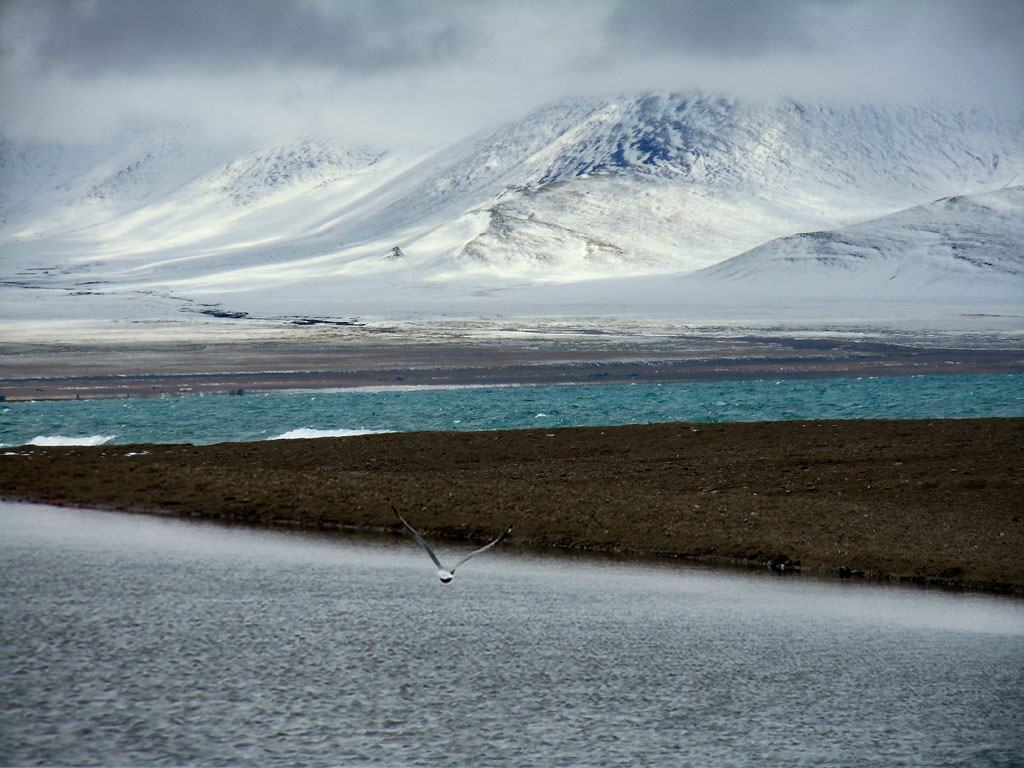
(305, 432)
(65, 440)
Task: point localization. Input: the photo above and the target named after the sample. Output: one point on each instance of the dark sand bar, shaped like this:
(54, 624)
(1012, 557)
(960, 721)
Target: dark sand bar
(929, 501)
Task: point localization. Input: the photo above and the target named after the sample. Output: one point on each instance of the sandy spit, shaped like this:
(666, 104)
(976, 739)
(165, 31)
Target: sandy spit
(929, 501)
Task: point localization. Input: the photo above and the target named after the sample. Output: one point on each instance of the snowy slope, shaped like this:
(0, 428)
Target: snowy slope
(581, 190)
(959, 243)
(150, 199)
(47, 189)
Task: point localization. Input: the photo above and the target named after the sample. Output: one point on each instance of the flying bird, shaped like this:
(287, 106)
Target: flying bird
(446, 574)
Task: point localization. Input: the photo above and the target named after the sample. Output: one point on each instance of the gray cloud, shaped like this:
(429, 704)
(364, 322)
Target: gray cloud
(750, 28)
(129, 35)
(744, 28)
(419, 72)
(959, 50)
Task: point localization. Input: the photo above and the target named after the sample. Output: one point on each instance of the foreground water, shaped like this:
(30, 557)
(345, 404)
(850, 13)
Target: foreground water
(132, 640)
(202, 420)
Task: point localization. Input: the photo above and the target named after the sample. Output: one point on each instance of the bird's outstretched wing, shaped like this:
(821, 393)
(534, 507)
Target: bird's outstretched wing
(420, 539)
(482, 549)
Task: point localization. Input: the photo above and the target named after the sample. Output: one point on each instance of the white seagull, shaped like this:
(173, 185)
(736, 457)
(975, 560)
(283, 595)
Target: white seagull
(446, 574)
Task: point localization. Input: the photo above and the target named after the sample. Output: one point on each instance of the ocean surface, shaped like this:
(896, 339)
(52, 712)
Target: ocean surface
(133, 640)
(204, 420)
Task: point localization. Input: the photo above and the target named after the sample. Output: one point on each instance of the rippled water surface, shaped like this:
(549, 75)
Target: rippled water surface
(217, 419)
(134, 640)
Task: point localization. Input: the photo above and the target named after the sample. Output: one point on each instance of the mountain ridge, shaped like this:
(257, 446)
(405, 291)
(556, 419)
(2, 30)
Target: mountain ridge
(577, 190)
(973, 236)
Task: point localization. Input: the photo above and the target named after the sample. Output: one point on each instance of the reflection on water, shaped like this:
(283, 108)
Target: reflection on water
(132, 640)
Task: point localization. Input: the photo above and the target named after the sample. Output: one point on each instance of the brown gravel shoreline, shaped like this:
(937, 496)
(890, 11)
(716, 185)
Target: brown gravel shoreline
(56, 372)
(928, 501)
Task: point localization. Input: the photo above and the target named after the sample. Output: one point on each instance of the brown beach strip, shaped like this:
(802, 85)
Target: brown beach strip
(58, 372)
(930, 501)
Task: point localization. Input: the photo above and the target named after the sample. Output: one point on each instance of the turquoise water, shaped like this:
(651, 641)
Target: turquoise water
(203, 420)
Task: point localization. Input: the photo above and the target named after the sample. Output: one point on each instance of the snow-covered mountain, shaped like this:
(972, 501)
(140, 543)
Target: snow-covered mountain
(579, 190)
(955, 242)
(684, 182)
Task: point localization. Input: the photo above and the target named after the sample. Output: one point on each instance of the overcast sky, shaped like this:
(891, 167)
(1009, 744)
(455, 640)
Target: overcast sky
(394, 71)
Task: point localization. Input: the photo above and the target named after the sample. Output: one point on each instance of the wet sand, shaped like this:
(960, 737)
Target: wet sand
(929, 501)
(46, 372)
